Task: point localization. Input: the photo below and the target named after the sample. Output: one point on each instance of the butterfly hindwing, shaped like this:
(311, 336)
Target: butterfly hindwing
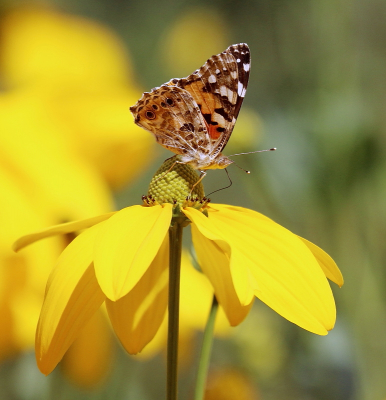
(171, 114)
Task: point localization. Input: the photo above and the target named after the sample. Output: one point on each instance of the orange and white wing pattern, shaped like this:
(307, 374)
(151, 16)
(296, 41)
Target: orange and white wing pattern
(195, 116)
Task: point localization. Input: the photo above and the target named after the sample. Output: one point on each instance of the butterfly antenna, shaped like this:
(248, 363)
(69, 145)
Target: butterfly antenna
(249, 152)
(238, 166)
(252, 152)
(226, 187)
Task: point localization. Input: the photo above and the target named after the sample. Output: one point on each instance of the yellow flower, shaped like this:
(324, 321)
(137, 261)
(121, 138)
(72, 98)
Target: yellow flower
(122, 259)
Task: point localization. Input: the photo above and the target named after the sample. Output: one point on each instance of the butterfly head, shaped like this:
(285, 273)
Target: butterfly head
(204, 163)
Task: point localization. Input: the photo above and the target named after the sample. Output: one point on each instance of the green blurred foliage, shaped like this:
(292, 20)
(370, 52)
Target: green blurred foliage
(318, 84)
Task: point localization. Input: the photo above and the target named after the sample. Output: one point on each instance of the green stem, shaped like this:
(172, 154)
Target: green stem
(175, 248)
(205, 352)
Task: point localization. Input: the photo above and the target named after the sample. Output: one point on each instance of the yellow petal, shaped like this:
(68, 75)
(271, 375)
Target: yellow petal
(60, 229)
(127, 245)
(137, 316)
(72, 297)
(327, 264)
(196, 299)
(215, 265)
(242, 281)
(288, 276)
(90, 358)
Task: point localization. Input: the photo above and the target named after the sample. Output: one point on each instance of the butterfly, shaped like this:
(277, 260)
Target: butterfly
(194, 116)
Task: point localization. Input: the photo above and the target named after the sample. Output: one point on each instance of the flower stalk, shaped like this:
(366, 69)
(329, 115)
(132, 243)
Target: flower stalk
(206, 350)
(175, 249)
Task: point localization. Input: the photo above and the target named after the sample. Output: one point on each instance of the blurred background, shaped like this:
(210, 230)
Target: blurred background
(70, 70)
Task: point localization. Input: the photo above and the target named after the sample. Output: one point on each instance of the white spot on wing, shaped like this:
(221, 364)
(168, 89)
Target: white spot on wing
(234, 74)
(238, 60)
(241, 90)
(219, 119)
(217, 71)
(223, 91)
(232, 96)
(212, 79)
(246, 67)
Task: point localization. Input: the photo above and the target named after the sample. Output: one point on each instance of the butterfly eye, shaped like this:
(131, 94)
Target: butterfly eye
(170, 102)
(150, 115)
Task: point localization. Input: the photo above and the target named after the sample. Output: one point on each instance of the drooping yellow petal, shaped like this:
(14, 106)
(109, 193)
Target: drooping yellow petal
(60, 229)
(89, 360)
(72, 297)
(288, 277)
(242, 281)
(137, 316)
(127, 245)
(327, 264)
(215, 265)
(196, 297)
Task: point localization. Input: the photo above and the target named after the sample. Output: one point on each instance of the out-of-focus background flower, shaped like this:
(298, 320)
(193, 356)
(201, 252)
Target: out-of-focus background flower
(69, 150)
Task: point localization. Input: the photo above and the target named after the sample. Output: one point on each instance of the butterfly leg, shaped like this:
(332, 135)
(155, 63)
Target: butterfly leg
(201, 177)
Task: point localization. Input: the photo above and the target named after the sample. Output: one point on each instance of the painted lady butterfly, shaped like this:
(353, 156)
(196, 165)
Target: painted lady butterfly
(194, 116)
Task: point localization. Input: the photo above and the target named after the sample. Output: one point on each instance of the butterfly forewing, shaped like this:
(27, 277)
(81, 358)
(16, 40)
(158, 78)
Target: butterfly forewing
(243, 58)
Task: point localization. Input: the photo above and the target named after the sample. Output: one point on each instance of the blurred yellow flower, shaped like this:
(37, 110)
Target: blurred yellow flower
(42, 45)
(192, 27)
(37, 156)
(122, 259)
(76, 74)
(230, 384)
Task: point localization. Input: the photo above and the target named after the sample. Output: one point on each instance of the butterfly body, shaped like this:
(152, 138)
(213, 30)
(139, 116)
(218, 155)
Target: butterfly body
(194, 116)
